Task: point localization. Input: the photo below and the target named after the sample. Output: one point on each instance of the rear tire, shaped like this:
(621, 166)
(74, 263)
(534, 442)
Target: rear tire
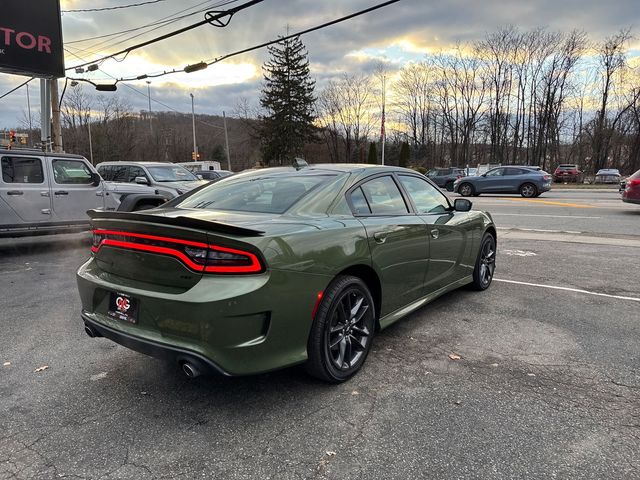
(528, 190)
(449, 186)
(485, 263)
(342, 330)
(466, 190)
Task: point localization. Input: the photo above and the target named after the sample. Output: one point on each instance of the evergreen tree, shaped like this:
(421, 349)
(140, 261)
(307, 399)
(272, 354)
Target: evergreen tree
(288, 99)
(373, 154)
(404, 154)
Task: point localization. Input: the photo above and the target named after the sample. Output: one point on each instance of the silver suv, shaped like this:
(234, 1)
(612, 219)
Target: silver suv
(51, 193)
(168, 179)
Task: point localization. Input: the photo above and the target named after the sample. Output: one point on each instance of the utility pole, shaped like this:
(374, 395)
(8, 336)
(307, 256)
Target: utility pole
(90, 141)
(149, 92)
(29, 112)
(193, 120)
(55, 110)
(45, 114)
(226, 141)
(382, 129)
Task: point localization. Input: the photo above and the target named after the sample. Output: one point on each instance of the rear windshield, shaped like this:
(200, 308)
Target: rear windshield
(635, 175)
(267, 194)
(567, 167)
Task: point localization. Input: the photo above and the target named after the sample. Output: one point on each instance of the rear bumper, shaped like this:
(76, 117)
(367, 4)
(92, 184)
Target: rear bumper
(631, 200)
(154, 349)
(237, 325)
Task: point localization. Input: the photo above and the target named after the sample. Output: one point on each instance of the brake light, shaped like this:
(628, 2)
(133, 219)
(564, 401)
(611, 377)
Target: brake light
(198, 256)
(547, 177)
(633, 182)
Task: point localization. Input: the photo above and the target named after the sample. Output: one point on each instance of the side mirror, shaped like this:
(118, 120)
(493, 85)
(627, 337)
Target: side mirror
(462, 205)
(483, 175)
(142, 180)
(200, 177)
(95, 179)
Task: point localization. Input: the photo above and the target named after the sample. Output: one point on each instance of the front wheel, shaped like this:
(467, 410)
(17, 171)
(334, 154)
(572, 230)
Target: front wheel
(528, 190)
(466, 190)
(342, 330)
(485, 263)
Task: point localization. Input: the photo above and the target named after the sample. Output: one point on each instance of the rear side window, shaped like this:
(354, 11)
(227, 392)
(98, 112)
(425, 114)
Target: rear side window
(359, 202)
(22, 170)
(71, 172)
(384, 197)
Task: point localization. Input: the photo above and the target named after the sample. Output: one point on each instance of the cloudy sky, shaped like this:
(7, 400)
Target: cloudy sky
(400, 33)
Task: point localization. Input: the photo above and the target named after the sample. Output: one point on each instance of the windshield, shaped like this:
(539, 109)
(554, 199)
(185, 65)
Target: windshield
(171, 173)
(267, 194)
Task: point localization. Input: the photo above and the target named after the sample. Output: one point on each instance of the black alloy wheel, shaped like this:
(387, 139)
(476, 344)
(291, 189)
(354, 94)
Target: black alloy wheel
(466, 190)
(342, 331)
(485, 263)
(528, 190)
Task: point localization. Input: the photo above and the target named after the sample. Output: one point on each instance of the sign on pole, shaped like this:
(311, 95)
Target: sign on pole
(31, 38)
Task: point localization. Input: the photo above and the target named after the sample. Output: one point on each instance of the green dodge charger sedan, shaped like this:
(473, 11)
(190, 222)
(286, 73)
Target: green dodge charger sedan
(281, 266)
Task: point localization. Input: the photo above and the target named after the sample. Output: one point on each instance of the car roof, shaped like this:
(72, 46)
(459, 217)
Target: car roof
(25, 152)
(145, 164)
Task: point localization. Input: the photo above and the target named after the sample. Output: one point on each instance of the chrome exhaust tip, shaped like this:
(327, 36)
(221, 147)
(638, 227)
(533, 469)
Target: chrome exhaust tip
(190, 370)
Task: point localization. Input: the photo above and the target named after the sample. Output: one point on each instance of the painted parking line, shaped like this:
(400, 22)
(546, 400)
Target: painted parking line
(549, 202)
(540, 215)
(538, 230)
(568, 289)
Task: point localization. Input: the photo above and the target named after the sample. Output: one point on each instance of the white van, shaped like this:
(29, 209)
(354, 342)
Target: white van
(197, 166)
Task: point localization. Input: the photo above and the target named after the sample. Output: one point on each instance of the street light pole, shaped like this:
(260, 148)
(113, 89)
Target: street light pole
(90, 141)
(193, 120)
(29, 110)
(226, 141)
(149, 93)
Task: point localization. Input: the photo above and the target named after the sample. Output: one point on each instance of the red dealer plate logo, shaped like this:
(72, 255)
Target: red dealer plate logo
(123, 307)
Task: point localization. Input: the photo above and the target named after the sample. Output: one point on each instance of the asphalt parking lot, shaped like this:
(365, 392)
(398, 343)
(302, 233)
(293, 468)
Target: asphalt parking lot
(547, 383)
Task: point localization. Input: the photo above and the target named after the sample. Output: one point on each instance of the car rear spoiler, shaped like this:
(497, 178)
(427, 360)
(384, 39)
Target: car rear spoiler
(187, 222)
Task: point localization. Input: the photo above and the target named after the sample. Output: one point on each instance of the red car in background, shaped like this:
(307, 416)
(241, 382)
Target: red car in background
(631, 192)
(567, 173)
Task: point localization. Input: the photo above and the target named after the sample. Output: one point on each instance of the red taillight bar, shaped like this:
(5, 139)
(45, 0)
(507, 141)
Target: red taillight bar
(254, 267)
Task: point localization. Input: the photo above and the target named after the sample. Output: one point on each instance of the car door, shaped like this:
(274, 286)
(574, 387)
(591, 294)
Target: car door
(73, 189)
(397, 240)
(514, 177)
(447, 230)
(491, 182)
(24, 190)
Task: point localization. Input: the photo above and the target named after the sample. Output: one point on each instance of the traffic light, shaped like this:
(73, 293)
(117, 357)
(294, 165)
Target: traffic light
(12, 137)
(195, 156)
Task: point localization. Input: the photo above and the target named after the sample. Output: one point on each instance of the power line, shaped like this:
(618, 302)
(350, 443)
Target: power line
(262, 45)
(16, 88)
(145, 95)
(112, 8)
(212, 18)
(164, 20)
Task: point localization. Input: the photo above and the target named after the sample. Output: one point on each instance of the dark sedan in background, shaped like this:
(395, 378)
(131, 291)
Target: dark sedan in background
(445, 177)
(527, 181)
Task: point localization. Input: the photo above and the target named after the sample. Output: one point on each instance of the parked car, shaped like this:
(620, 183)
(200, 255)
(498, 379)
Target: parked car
(281, 266)
(212, 174)
(608, 175)
(169, 179)
(567, 172)
(631, 193)
(470, 172)
(527, 181)
(445, 177)
(44, 193)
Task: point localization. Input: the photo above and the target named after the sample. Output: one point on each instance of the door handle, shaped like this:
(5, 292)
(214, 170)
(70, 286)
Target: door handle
(46, 211)
(99, 194)
(61, 192)
(15, 192)
(380, 237)
(45, 194)
(435, 233)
